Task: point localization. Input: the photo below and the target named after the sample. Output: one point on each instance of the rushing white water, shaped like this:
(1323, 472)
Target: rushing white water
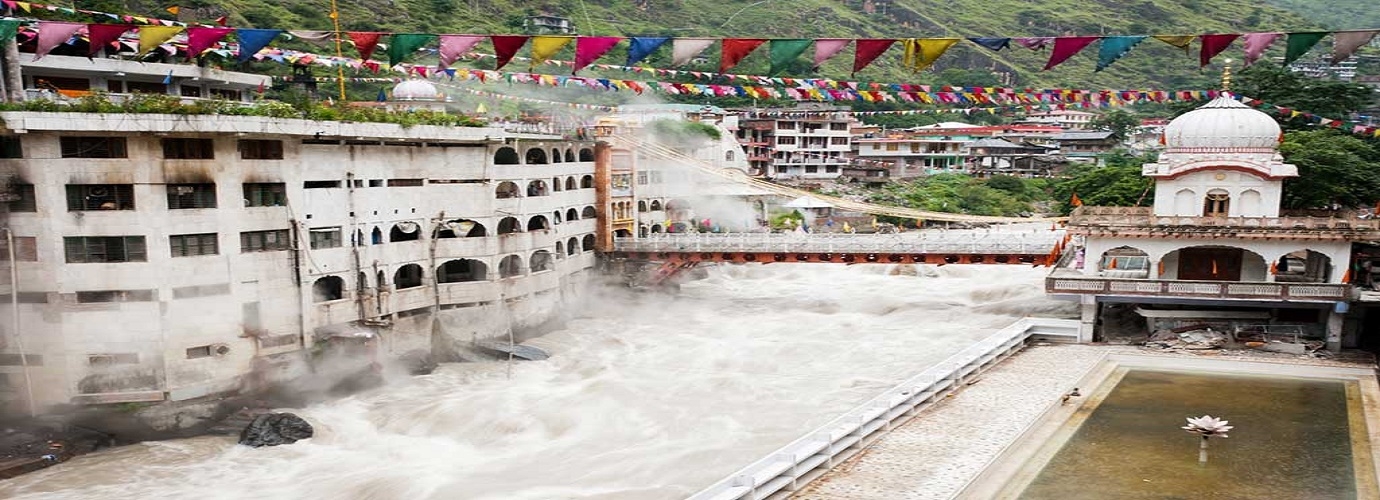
(649, 397)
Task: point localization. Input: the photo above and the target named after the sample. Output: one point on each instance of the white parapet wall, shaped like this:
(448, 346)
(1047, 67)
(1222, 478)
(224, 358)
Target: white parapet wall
(796, 464)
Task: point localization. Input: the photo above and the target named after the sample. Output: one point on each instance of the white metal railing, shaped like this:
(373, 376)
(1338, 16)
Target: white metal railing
(794, 465)
(971, 242)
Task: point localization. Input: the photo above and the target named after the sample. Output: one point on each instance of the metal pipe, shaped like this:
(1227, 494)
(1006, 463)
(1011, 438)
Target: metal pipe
(14, 324)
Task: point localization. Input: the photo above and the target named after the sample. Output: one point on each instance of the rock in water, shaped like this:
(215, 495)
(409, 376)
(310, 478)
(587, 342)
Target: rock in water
(273, 429)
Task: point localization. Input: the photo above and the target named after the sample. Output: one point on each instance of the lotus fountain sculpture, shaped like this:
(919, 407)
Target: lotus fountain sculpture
(1207, 427)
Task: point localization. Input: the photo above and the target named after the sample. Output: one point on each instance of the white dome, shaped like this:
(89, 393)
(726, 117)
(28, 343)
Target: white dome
(1222, 123)
(415, 90)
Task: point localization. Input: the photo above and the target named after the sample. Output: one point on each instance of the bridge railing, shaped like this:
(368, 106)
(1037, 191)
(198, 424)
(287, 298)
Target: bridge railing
(796, 464)
(1006, 243)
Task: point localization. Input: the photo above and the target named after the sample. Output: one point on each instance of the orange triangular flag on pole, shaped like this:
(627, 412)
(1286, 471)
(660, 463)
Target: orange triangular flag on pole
(1075, 201)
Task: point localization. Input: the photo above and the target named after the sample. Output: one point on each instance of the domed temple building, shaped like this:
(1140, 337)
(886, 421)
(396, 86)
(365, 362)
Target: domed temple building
(1214, 251)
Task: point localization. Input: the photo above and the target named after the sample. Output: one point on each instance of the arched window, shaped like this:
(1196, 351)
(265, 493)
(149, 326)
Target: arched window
(359, 238)
(536, 156)
(570, 183)
(362, 281)
(461, 270)
(380, 280)
(728, 155)
(506, 189)
(556, 217)
(328, 288)
(587, 182)
(588, 213)
(461, 228)
(541, 261)
(376, 236)
(569, 155)
(1216, 204)
(641, 206)
(622, 233)
(656, 205)
(642, 230)
(572, 245)
(572, 215)
(405, 231)
(538, 223)
(510, 266)
(586, 154)
(408, 276)
(505, 156)
(537, 188)
(555, 183)
(560, 250)
(656, 228)
(555, 155)
(587, 244)
(508, 225)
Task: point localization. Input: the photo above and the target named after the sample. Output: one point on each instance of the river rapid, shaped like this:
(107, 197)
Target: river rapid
(646, 396)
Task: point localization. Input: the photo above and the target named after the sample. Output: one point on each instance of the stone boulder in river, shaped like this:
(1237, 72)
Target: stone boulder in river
(272, 429)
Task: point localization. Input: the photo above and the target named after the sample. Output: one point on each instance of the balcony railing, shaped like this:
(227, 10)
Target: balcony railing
(1310, 292)
(1144, 217)
(927, 243)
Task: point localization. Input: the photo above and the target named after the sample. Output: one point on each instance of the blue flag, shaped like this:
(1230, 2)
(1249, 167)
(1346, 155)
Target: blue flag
(641, 47)
(382, 96)
(168, 79)
(991, 42)
(1113, 47)
(252, 40)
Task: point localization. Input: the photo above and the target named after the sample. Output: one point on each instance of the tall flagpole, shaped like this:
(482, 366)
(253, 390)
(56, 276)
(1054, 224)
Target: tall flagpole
(339, 52)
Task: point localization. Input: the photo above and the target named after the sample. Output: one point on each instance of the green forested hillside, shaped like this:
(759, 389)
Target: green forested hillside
(1152, 64)
(1335, 14)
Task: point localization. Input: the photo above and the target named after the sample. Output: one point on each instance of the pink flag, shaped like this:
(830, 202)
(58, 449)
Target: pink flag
(1035, 42)
(54, 33)
(1213, 45)
(1066, 46)
(199, 39)
(454, 46)
(826, 48)
(1256, 43)
(101, 35)
(590, 48)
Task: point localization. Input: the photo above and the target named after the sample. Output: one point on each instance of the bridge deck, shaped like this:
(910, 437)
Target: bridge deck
(937, 247)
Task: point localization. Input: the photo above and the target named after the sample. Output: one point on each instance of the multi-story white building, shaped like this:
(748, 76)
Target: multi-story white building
(1214, 248)
(810, 141)
(165, 257)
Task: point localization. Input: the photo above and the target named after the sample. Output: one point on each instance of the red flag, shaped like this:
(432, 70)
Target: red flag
(1213, 45)
(590, 48)
(102, 35)
(365, 42)
(868, 49)
(199, 39)
(1066, 46)
(506, 46)
(735, 49)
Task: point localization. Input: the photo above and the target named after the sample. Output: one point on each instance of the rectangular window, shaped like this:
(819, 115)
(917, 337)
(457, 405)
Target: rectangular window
(811, 169)
(22, 198)
(10, 147)
(261, 149)
(86, 249)
(102, 296)
(199, 352)
(25, 249)
(189, 91)
(325, 237)
(184, 148)
(8, 359)
(780, 169)
(184, 196)
(838, 141)
(642, 178)
(146, 87)
(838, 126)
(227, 94)
(320, 184)
(277, 341)
(191, 245)
(891, 146)
(93, 147)
(265, 194)
(831, 169)
(785, 140)
(100, 197)
(121, 358)
(264, 241)
(406, 182)
(373, 183)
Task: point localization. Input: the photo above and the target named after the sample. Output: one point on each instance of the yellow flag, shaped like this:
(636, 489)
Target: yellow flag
(481, 109)
(1180, 41)
(174, 10)
(543, 47)
(922, 52)
(150, 37)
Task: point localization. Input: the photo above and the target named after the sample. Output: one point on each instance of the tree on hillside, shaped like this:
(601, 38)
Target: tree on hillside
(1334, 168)
(1119, 122)
(1322, 97)
(1119, 184)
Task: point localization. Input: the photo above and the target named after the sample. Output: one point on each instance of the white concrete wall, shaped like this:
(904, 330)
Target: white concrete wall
(1268, 251)
(1251, 195)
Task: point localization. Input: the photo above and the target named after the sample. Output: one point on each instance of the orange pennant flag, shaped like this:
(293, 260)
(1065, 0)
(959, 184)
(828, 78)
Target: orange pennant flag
(1075, 201)
(174, 10)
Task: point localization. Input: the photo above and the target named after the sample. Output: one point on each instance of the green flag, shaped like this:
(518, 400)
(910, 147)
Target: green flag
(1299, 43)
(8, 29)
(784, 51)
(402, 45)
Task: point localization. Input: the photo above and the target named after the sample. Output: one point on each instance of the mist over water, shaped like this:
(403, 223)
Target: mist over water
(648, 396)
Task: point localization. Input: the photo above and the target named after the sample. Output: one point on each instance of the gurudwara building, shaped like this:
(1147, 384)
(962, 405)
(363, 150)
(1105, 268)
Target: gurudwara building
(164, 258)
(1215, 249)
